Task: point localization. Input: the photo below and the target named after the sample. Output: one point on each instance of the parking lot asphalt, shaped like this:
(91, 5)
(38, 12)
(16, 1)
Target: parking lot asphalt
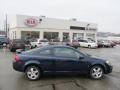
(12, 80)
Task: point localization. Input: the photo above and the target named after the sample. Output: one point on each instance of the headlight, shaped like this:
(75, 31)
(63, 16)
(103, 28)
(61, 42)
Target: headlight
(108, 63)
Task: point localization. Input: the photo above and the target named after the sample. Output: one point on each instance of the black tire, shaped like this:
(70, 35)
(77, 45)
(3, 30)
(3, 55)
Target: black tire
(32, 47)
(75, 47)
(35, 75)
(89, 46)
(35, 46)
(4, 44)
(99, 74)
(112, 46)
(12, 50)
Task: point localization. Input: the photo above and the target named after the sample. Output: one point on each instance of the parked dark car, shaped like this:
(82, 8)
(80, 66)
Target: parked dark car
(74, 44)
(117, 42)
(4, 41)
(16, 44)
(100, 43)
(54, 42)
(112, 43)
(59, 59)
(106, 43)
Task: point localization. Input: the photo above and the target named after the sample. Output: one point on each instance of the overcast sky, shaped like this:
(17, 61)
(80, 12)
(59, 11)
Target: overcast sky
(105, 13)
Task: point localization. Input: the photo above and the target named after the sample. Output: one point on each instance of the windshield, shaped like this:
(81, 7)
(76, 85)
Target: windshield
(91, 41)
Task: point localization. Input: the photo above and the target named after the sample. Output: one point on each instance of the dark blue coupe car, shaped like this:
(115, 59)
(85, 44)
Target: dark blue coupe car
(59, 59)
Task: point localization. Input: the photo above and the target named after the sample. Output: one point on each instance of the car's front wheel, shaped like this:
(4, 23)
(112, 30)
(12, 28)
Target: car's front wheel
(96, 72)
(33, 73)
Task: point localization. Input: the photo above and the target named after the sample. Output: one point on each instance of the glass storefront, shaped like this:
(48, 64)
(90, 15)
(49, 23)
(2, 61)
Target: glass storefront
(90, 36)
(65, 36)
(27, 35)
(77, 36)
(51, 35)
(32, 35)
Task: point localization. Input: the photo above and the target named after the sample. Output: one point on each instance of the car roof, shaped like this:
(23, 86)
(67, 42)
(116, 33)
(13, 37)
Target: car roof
(55, 46)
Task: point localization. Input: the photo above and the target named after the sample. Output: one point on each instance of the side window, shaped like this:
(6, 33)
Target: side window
(85, 41)
(66, 52)
(45, 52)
(41, 52)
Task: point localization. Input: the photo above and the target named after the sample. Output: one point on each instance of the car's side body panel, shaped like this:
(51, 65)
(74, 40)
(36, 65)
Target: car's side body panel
(57, 64)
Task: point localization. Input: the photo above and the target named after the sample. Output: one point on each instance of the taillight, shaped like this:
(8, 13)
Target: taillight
(17, 59)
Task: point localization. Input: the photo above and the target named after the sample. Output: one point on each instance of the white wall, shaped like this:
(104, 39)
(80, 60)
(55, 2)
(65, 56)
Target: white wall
(12, 20)
(52, 22)
(47, 25)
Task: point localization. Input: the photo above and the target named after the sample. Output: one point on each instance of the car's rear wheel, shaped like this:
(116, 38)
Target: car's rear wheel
(89, 46)
(12, 50)
(4, 44)
(33, 73)
(35, 46)
(96, 72)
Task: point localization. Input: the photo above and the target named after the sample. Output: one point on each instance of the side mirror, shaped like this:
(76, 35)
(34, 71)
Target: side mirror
(19, 51)
(81, 57)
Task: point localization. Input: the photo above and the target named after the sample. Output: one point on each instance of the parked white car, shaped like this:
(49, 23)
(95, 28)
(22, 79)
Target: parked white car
(39, 43)
(88, 43)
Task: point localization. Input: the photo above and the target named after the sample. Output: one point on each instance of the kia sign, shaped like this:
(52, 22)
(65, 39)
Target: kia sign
(31, 22)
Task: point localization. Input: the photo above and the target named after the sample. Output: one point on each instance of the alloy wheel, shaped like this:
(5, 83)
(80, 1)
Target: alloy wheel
(96, 72)
(89, 46)
(33, 73)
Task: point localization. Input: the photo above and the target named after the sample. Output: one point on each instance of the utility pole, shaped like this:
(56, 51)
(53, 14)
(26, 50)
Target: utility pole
(6, 26)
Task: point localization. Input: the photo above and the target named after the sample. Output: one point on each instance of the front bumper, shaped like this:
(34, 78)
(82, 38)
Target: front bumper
(109, 69)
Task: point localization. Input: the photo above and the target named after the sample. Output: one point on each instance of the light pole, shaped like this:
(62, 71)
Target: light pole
(6, 26)
(87, 27)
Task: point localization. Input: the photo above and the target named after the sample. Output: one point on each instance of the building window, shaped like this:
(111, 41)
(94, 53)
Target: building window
(51, 35)
(15, 34)
(78, 36)
(90, 36)
(92, 29)
(65, 36)
(77, 28)
(28, 35)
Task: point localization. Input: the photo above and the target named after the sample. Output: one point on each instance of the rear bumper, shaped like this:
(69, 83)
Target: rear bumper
(15, 48)
(94, 46)
(18, 67)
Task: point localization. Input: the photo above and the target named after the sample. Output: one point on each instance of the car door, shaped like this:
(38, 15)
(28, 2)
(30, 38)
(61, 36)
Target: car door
(85, 43)
(46, 59)
(68, 60)
(81, 43)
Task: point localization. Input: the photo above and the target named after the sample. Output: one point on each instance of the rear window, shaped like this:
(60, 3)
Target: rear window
(85, 41)
(32, 51)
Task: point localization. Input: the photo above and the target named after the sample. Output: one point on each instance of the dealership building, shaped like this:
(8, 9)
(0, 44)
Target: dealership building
(30, 27)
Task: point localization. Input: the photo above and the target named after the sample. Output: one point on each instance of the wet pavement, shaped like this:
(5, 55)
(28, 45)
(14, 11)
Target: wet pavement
(13, 80)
